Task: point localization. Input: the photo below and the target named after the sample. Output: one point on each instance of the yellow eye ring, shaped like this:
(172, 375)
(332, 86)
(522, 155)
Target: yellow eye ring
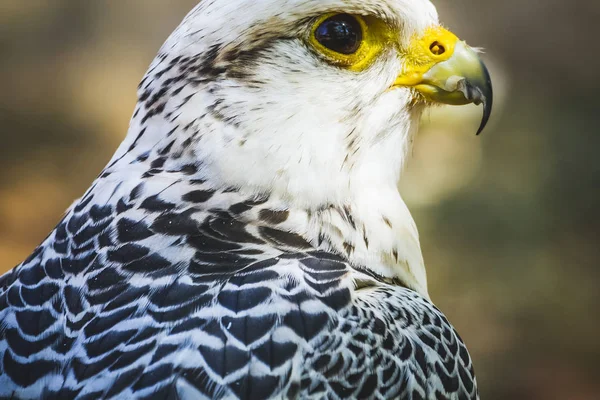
(348, 41)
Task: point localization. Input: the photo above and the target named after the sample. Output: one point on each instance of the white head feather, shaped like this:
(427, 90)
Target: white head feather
(262, 112)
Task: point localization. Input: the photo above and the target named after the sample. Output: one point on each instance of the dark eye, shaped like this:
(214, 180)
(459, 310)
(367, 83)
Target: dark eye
(341, 33)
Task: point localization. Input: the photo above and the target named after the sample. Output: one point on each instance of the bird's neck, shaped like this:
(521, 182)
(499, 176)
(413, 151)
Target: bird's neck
(372, 228)
(344, 202)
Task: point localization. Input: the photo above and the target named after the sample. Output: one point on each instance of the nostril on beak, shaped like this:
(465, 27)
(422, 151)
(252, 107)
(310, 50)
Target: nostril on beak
(437, 48)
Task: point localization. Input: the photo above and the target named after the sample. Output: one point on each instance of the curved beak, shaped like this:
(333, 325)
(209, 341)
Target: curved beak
(453, 74)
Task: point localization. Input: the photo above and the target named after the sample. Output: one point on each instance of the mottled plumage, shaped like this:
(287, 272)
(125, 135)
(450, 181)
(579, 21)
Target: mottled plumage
(247, 241)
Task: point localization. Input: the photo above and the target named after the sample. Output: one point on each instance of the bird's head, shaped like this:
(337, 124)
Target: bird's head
(315, 101)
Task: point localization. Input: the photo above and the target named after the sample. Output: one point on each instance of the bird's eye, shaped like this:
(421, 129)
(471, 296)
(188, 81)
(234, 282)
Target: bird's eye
(341, 33)
(349, 41)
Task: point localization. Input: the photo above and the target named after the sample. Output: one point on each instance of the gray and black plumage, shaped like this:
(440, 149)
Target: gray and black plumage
(247, 240)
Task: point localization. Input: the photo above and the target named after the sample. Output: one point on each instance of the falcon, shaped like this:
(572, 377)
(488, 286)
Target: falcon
(248, 240)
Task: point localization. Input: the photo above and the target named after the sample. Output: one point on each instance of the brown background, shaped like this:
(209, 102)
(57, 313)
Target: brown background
(509, 221)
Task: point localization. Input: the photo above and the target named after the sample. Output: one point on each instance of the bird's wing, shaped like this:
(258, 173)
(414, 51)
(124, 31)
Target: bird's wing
(183, 302)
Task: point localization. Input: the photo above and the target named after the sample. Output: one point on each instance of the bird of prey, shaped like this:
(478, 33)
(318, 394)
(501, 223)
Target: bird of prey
(248, 240)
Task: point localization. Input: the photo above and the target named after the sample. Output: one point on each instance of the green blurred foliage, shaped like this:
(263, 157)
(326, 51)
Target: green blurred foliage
(509, 222)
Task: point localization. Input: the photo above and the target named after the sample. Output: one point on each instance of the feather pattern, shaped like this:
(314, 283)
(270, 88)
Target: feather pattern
(151, 296)
(200, 265)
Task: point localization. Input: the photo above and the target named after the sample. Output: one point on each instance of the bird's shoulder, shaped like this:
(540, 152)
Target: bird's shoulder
(146, 298)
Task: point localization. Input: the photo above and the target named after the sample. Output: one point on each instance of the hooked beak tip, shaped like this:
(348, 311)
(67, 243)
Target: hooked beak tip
(486, 98)
(478, 92)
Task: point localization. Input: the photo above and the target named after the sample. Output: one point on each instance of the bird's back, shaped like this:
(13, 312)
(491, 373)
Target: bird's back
(145, 296)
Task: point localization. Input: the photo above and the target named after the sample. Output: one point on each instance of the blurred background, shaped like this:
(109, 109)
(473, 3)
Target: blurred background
(509, 221)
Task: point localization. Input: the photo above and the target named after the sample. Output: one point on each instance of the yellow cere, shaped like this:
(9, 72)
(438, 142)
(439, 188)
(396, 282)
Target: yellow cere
(376, 35)
(434, 46)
